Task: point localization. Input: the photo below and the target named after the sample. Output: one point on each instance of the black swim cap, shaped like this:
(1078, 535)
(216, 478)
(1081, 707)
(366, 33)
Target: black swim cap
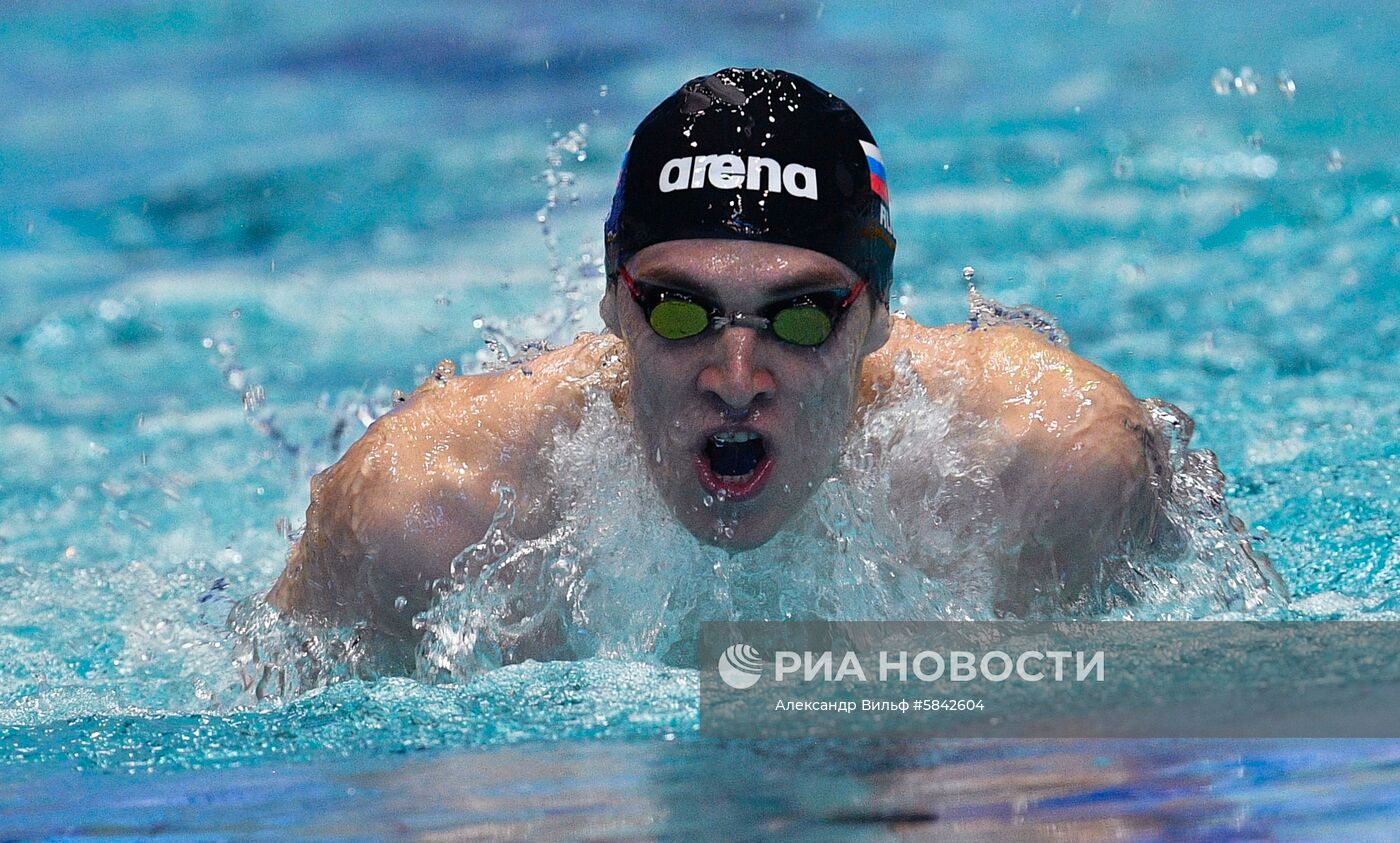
(753, 154)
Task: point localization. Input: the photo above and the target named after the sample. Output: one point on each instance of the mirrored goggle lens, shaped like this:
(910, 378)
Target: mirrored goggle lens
(676, 320)
(802, 325)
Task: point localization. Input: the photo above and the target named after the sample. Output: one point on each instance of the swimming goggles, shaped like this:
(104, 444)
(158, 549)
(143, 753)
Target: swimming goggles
(805, 320)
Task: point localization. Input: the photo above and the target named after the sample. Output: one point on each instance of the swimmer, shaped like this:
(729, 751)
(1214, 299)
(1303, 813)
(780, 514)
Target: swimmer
(748, 332)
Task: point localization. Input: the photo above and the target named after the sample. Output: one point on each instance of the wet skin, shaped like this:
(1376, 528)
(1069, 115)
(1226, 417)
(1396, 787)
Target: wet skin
(799, 400)
(1081, 461)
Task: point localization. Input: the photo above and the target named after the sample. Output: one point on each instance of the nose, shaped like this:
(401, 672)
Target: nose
(733, 375)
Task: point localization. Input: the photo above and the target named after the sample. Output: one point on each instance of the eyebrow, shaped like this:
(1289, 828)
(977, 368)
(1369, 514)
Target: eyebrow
(815, 282)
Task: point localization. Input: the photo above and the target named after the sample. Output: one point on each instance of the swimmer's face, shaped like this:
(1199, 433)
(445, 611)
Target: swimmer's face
(738, 426)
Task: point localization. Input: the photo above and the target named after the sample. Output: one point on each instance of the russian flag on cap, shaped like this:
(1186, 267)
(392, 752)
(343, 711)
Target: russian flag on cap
(877, 171)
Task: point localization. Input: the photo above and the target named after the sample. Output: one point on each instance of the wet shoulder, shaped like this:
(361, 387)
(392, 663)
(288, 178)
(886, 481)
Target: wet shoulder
(1009, 373)
(935, 354)
(1042, 389)
(518, 406)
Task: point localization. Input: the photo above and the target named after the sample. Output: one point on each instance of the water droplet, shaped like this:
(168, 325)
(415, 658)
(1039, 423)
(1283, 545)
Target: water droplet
(602, 90)
(1286, 85)
(1247, 83)
(1223, 81)
(400, 602)
(444, 370)
(968, 274)
(708, 500)
(1335, 160)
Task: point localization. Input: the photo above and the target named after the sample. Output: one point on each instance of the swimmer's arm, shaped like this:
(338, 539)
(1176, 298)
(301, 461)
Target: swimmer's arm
(1085, 497)
(1086, 462)
(387, 520)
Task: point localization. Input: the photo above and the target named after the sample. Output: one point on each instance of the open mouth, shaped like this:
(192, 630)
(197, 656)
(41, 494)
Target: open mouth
(733, 464)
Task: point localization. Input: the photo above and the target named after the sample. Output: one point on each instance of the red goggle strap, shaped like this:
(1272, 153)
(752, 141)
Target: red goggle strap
(855, 292)
(630, 282)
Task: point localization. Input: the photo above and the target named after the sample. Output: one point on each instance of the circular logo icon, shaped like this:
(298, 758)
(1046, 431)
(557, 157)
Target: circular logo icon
(740, 666)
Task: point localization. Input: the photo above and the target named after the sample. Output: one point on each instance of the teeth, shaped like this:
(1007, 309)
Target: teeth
(735, 436)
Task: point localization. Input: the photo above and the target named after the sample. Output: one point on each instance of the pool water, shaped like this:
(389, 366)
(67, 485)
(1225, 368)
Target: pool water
(228, 231)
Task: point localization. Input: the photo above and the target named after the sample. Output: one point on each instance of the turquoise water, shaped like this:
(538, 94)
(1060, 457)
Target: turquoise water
(229, 230)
